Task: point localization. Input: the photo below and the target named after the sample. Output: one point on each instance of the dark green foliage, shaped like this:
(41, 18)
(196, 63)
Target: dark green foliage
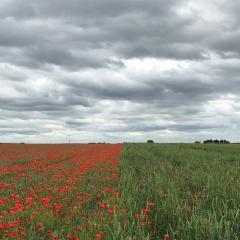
(216, 141)
(196, 189)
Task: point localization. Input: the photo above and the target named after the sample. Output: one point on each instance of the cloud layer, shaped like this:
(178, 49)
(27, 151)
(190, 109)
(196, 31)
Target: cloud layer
(119, 70)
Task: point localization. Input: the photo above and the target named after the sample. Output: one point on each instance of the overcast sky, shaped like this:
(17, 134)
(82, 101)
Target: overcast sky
(128, 70)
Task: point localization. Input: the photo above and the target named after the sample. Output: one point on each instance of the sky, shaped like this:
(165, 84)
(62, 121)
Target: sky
(114, 71)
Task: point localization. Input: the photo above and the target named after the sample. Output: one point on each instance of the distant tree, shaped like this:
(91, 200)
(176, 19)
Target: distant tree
(216, 141)
(150, 141)
(197, 141)
(208, 141)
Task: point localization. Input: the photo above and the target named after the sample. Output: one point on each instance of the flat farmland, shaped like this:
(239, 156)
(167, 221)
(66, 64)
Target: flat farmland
(57, 191)
(120, 191)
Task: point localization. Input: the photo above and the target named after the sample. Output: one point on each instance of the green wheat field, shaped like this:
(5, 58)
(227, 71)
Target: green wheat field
(196, 188)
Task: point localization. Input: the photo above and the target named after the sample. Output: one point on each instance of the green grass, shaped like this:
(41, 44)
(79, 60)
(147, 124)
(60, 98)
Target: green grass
(12, 163)
(195, 188)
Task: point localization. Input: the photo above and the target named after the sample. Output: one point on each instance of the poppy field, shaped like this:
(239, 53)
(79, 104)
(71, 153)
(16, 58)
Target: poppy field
(58, 191)
(120, 191)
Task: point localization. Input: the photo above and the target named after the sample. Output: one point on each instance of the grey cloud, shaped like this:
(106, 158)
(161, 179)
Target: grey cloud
(62, 57)
(70, 65)
(92, 9)
(20, 132)
(39, 33)
(166, 92)
(42, 104)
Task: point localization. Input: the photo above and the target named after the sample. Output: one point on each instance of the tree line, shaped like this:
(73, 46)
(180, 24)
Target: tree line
(222, 141)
